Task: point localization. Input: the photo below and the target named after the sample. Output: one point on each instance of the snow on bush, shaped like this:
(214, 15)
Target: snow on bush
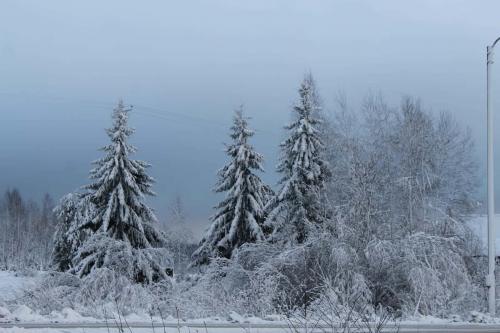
(300, 272)
(99, 293)
(142, 265)
(54, 293)
(425, 274)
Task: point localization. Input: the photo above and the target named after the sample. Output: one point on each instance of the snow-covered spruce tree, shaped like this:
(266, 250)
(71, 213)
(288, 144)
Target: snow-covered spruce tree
(239, 216)
(67, 237)
(296, 209)
(122, 225)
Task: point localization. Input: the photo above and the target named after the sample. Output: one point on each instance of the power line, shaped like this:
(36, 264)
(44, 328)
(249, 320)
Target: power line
(184, 116)
(140, 109)
(153, 112)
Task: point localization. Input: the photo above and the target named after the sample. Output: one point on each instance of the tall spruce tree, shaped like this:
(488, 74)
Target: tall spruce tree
(296, 210)
(119, 189)
(121, 223)
(239, 216)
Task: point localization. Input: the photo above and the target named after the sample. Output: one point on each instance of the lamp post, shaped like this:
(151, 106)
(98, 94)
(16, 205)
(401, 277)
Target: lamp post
(490, 279)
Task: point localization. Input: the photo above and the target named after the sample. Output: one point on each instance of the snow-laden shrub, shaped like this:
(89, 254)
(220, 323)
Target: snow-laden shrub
(421, 274)
(252, 255)
(345, 304)
(54, 293)
(223, 287)
(346, 295)
(299, 273)
(100, 293)
(105, 290)
(143, 265)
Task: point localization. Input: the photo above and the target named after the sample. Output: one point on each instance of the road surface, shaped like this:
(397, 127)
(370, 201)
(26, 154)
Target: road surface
(225, 328)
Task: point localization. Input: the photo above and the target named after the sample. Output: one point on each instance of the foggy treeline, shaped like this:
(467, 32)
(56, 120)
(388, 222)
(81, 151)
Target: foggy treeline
(26, 231)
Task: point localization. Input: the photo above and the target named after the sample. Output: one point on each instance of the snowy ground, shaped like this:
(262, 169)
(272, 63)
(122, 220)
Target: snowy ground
(181, 329)
(423, 328)
(22, 319)
(12, 285)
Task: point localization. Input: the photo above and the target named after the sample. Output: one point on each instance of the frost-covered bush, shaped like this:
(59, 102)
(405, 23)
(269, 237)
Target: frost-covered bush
(421, 274)
(143, 265)
(300, 272)
(228, 285)
(105, 288)
(222, 287)
(263, 279)
(54, 293)
(346, 295)
(101, 292)
(252, 255)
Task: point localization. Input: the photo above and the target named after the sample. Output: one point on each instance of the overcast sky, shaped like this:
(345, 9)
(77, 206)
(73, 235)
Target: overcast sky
(185, 66)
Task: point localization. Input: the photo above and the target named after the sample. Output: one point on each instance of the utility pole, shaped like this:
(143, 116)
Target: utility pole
(490, 279)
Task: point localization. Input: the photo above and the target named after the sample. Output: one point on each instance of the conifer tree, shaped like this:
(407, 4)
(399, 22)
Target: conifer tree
(121, 222)
(296, 210)
(239, 216)
(119, 189)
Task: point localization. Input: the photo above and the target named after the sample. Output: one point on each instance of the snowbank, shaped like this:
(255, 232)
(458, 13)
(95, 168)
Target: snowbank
(12, 284)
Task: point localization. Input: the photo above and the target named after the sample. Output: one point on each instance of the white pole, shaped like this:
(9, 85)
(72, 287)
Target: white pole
(490, 280)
